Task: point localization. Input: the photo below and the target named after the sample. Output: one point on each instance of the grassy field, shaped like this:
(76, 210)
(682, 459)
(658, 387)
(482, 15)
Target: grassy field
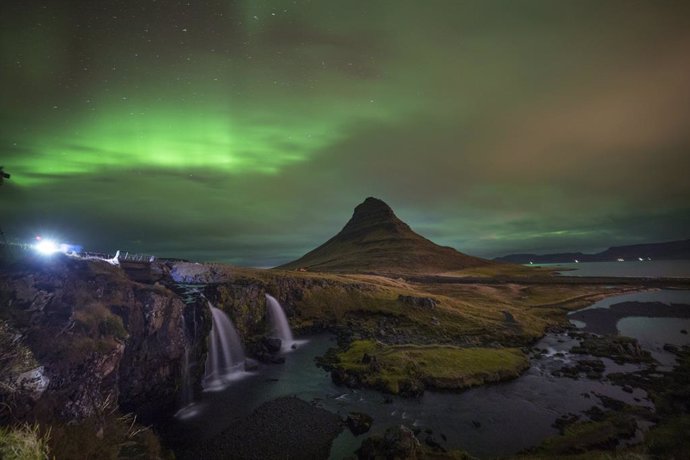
(405, 368)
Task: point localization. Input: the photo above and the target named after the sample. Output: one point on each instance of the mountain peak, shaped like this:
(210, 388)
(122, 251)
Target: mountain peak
(371, 212)
(372, 205)
(374, 240)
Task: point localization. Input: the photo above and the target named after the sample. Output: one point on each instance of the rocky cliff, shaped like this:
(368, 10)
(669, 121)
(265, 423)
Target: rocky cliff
(241, 293)
(81, 338)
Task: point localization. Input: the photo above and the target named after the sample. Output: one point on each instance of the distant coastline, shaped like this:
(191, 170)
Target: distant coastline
(671, 250)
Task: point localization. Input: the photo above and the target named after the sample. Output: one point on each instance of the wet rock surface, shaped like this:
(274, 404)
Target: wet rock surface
(358, 423)
(590, 368)
(265, 350)
(619, 349)
(397, 442)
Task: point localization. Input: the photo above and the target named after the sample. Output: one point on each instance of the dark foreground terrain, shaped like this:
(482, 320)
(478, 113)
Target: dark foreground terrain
(287, 428)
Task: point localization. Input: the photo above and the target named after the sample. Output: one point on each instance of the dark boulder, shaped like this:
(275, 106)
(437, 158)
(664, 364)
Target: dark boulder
(284, 428)
(358, 423)
(670, 348)
(272, 344)
(397, 443)
(433, 443)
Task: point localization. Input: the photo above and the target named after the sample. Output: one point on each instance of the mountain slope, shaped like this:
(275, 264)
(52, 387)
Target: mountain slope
(374, 240)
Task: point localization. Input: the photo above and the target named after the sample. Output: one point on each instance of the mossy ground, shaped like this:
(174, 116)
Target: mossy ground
(25, 442)
(401, 368)
(113, 436)
(587, 436)
(669, 439)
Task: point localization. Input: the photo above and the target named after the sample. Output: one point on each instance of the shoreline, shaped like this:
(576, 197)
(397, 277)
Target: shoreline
(603, 321)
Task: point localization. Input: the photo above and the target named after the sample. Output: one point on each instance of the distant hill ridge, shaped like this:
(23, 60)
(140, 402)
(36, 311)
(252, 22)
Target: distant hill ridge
(375, 240)
(671, 250)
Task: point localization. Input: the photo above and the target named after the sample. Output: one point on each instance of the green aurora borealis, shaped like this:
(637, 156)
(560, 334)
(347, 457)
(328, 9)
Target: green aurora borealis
(247, 131)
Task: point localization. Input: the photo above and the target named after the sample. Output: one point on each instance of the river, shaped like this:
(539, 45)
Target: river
(488, 421)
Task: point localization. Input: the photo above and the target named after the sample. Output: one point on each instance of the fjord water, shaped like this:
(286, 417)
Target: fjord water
(655, 332)
(632, 268)
(279, 322)
(226, 354)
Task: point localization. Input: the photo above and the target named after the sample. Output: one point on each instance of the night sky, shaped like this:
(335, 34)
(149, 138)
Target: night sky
(247, 131)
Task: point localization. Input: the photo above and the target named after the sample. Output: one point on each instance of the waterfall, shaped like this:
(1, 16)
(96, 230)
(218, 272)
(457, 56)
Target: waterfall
(279, 322)
(187, 396)
(225, 354)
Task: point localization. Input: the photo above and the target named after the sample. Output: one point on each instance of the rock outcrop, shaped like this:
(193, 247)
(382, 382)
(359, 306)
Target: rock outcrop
(396, 442)
(85, 338)
(358, 422)
(286, 428)
(419, 302)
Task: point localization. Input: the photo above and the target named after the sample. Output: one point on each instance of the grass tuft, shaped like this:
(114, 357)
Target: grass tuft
(25, 442)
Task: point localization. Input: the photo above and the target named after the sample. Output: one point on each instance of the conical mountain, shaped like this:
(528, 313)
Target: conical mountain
(374, 240)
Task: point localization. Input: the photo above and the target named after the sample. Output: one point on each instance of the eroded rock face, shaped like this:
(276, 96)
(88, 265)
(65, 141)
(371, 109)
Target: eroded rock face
(419, 302)
(196, 273)
(95, 339)
(245, 303)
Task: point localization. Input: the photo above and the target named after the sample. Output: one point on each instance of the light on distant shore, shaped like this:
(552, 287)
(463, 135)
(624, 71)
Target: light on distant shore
(46, 247)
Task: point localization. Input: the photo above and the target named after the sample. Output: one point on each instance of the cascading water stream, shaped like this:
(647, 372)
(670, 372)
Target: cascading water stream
(225, 355)
(279, 322)
(187, 396)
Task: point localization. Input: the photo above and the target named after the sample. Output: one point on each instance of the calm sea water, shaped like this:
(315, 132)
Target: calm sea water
(646, 268)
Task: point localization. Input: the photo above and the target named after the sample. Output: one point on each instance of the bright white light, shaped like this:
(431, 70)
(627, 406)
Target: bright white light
(46, 247)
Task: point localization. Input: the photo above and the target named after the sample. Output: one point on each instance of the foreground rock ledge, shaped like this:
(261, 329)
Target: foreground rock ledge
(286, 428)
